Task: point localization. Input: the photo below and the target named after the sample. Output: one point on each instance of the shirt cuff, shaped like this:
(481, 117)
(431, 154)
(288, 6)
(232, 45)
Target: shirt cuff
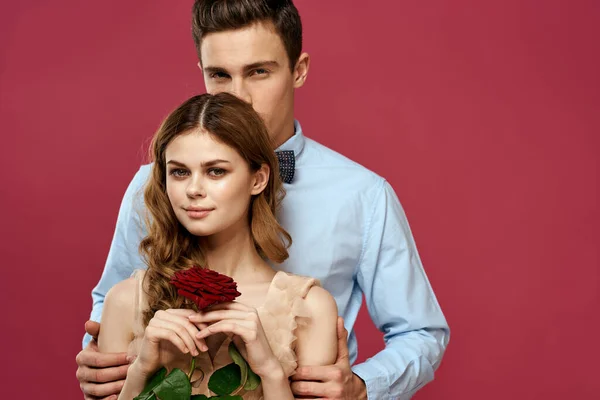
(376, 382)
(87, 338)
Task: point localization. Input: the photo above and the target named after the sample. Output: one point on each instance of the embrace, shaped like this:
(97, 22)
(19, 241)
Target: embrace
(236, 188)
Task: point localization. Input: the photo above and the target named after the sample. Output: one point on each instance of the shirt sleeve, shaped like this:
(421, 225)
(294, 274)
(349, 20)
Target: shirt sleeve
(401, 303)
(123, 257)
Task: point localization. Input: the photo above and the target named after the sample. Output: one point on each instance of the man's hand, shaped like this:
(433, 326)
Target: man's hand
(331, 382)
(100, 375)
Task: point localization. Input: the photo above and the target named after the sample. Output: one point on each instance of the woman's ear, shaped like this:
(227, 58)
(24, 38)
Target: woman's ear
(261, 179)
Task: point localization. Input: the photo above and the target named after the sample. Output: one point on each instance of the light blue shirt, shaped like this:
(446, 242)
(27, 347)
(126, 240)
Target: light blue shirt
(349, 231)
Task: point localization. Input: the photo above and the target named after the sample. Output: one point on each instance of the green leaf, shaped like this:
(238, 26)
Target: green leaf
(249, 379)
(252, 382)
(233, 377)
(224, 397)
(147, 396)
(147, 393)
(175, 386)
(237, 358)
(225, 380)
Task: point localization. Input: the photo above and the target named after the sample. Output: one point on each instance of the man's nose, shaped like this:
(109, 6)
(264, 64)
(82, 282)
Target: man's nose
(238, 89)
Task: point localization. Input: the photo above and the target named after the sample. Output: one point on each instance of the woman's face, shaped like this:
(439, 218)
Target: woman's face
(209, 184)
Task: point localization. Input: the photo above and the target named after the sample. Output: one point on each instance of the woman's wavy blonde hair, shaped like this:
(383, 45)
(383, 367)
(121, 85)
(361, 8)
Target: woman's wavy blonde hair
(169, 247)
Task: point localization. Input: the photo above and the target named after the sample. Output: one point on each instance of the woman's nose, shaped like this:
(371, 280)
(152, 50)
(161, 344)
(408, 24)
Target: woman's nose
(195, 188)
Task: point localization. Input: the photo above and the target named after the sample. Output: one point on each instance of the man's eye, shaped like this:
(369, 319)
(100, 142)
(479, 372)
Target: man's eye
(260, 71)
(178, 172)
(219, 75)
(216, 172)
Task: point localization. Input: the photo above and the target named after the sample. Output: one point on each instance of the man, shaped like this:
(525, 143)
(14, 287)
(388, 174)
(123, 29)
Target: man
(347, 225)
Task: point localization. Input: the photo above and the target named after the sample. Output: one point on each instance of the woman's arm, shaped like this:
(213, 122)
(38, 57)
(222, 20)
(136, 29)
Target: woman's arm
(117, 317)
(116, 333)
(317, 345)
(317, 341)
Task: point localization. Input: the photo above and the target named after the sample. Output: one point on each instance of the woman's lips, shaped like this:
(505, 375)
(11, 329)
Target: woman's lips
(197, 212)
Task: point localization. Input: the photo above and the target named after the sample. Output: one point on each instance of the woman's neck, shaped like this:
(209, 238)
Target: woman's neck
(234, 254)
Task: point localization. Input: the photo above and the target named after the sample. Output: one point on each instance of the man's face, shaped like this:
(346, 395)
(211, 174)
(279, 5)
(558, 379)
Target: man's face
(252, 64)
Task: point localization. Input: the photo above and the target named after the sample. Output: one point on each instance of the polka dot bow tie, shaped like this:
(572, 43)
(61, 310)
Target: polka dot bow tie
(287, 165)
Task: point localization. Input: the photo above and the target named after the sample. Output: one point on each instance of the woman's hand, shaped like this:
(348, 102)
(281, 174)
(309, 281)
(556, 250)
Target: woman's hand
(169, 326)
(242, 321)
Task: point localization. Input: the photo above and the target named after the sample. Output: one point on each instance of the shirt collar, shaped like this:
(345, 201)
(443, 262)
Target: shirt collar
(296, 142)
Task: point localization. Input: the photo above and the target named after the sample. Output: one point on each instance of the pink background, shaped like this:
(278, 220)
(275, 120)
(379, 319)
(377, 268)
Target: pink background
(484, 116)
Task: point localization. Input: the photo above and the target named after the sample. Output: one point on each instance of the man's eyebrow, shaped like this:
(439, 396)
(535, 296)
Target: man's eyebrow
(261, 64)
(209, 69)
(213, 70)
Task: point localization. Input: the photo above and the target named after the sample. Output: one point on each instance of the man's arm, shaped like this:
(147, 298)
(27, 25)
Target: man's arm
(123, 257)
(401, 304)
(102, 374)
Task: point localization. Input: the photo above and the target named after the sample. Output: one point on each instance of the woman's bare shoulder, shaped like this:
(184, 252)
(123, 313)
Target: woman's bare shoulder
(321, 304)
(116, 331)
(123, 293)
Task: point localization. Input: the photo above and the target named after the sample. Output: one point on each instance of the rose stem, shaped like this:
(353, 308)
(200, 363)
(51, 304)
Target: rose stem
(192, 367)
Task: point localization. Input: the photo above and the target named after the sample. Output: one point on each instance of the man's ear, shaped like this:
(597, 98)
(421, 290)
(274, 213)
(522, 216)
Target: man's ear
(261, 179)
(199, 66)
(301, 70)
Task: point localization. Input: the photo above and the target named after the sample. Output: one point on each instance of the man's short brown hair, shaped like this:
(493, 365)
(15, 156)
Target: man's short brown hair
(210, 16)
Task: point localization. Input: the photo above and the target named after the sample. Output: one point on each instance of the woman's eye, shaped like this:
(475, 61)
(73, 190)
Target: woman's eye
(178, 172)
(216, 171)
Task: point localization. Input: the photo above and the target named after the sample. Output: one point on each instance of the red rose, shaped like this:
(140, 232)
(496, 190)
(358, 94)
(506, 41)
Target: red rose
(204, 286)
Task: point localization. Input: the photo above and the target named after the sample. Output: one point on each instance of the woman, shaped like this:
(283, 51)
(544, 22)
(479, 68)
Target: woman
(212, 198)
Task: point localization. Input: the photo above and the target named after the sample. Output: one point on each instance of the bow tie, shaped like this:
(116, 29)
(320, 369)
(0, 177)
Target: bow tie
(287, 165)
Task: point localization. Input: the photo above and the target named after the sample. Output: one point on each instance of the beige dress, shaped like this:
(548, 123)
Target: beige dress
(280, 314)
